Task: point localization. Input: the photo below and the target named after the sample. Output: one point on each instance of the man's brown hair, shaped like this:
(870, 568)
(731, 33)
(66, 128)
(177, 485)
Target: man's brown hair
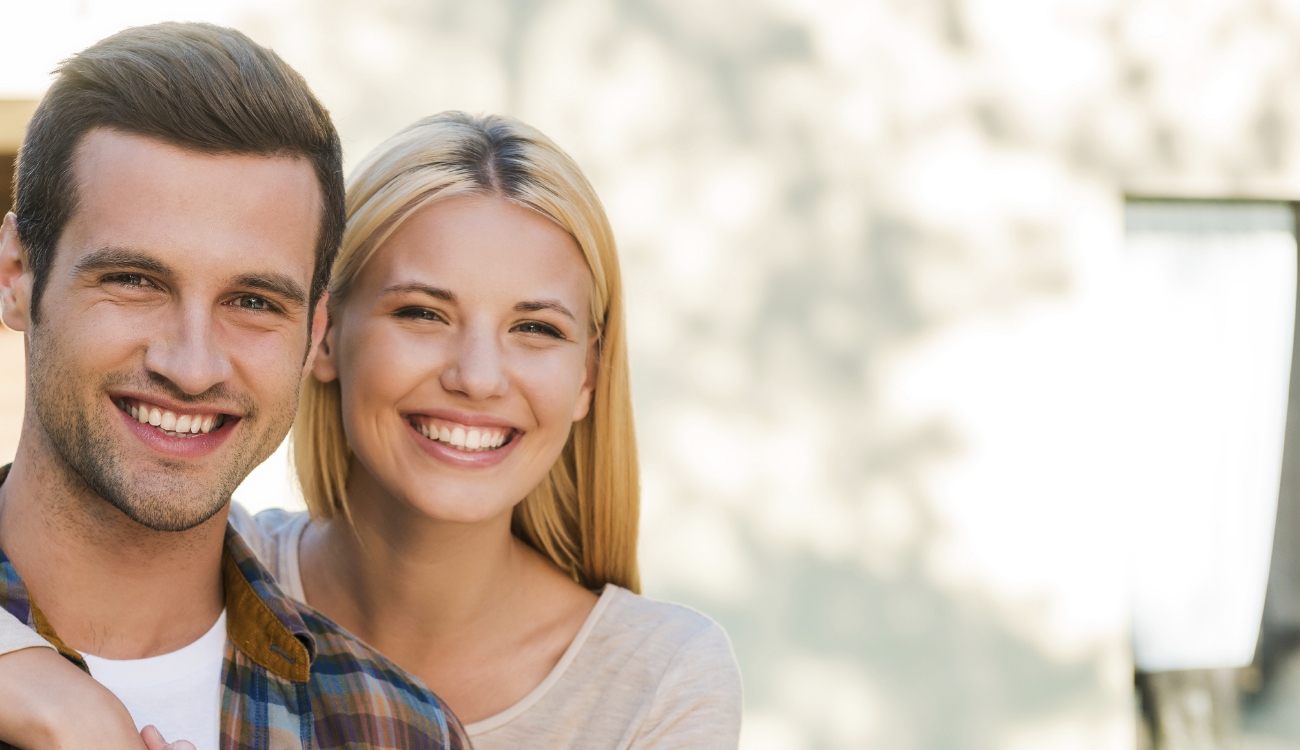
(193, 85)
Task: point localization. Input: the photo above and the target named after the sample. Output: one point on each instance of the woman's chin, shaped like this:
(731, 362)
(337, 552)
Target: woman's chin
(469, 510)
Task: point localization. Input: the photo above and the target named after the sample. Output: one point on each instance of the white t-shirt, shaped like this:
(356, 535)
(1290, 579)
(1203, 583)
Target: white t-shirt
(179, 692)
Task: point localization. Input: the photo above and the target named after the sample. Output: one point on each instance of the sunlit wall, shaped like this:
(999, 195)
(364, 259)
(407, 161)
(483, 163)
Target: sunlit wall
(870, 248)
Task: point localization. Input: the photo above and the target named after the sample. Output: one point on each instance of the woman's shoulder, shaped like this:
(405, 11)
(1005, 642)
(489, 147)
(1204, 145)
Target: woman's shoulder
(277, 522)
(271, 535)
(656, 644)
(635, 617)
(640, 673)
(688, 676)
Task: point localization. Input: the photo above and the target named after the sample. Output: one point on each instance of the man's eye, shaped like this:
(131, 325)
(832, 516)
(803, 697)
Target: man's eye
(128, 279)
(252, 302)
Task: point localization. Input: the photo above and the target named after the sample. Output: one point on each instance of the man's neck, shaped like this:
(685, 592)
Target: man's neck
(107, 585)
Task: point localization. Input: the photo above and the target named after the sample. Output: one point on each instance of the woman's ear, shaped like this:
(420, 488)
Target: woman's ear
(15, 277)
(583, 404)
(325, 367)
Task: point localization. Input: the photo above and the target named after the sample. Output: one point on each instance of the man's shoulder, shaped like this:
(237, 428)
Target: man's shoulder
(354, 688)
(352, 695)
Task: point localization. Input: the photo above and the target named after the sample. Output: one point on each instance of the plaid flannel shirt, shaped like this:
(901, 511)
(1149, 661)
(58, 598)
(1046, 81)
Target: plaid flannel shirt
(291, 678)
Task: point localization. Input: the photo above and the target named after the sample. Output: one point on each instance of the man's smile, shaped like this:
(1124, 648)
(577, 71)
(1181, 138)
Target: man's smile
(173, 423)
(172, 429)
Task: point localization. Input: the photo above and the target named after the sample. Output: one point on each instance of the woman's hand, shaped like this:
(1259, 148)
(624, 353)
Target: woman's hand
(153, 740)
(46, 703)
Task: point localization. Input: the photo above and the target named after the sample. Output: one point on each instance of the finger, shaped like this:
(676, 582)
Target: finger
(153, 739)
(181, 745)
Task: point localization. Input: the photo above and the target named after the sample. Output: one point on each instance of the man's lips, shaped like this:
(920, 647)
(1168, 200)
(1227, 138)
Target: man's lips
(205, 430)
(178, 423)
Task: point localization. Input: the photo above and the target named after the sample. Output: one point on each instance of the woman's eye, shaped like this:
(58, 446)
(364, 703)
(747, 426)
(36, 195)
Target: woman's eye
(417, 313)
(543, 329)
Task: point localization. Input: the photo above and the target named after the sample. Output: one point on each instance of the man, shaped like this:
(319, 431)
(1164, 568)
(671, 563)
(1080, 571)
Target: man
(178, 205)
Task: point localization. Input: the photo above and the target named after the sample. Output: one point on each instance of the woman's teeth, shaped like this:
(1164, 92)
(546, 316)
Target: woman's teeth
(462, 437)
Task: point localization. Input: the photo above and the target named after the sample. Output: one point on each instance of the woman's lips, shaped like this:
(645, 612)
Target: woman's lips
(463, 436)
(461, 444)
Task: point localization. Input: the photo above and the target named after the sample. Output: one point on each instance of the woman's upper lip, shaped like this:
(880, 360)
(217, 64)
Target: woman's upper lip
(464, 418)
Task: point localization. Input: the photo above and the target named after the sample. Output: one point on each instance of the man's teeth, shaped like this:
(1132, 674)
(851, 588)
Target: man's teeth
(464, 438)
(193, 424)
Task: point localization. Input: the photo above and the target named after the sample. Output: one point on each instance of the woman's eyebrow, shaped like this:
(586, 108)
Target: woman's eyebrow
(436, 292)
(447, 295)
(545, 304)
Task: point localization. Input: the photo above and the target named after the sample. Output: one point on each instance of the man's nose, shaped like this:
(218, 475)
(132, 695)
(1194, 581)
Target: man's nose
(187, 353)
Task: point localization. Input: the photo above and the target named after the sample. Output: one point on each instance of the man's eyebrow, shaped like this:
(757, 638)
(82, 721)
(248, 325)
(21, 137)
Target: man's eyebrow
(545, 304)
(433, 291)
(118, 258)
(278, 284)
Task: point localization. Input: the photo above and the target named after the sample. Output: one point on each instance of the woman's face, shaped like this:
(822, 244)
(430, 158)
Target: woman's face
(464, 356)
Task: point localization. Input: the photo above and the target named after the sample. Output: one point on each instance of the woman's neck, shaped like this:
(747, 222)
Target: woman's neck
(469, 608)
(392, 575)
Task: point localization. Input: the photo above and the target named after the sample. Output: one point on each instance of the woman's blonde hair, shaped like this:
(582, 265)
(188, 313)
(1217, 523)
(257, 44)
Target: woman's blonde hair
(583, 515)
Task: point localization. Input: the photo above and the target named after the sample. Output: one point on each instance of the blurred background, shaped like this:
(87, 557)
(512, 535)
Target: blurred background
(962, 331)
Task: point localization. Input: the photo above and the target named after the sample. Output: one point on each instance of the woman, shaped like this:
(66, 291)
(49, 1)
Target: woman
(465, 446)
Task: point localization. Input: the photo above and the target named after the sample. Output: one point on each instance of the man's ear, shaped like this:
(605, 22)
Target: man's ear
(15, 277)
(321, 360)
(583, 404)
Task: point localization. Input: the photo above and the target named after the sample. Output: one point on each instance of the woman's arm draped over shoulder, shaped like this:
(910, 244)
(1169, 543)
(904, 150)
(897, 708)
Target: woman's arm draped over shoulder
(15, 635)
(47, 702)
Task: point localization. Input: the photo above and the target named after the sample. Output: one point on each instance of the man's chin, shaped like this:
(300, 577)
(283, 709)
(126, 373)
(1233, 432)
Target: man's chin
(168, 516)
(163, 499)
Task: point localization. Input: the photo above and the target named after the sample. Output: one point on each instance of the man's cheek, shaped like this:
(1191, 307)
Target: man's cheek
(273, 375)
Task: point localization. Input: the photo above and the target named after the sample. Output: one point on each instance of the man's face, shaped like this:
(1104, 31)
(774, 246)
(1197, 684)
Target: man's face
(174, 323)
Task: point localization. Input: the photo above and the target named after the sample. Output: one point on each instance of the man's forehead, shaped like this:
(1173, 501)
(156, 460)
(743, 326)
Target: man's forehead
(106, 151)
(187, 206)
